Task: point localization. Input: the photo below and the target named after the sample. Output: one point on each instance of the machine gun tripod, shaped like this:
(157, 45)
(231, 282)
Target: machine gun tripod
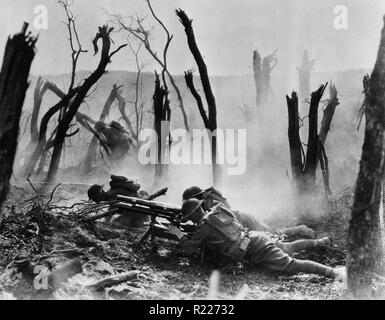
(172, 214)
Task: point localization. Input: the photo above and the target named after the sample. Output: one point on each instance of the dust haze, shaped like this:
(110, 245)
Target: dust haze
(227, 40)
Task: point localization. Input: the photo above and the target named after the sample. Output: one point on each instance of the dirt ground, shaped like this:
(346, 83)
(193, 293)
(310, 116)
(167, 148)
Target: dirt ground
(40, 231)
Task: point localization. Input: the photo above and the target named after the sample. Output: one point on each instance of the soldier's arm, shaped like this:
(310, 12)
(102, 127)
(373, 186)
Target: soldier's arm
(217, 196)
(252, 223)
(110, 195)
(191, 244)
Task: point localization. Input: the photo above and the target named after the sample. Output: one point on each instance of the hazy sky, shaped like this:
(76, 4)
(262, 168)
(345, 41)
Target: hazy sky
(227, 31)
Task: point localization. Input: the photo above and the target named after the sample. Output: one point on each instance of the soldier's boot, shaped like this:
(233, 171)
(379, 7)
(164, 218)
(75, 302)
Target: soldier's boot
(311, 267)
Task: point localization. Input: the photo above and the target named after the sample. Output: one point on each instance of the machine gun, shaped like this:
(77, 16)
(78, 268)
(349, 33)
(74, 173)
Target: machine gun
(172, 215)
(116, 210)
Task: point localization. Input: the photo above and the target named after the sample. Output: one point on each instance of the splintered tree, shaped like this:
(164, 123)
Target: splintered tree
(75, 99)
(138, 114)
(262, 72)
(304, 74)
(43, 145)
(41, 88)
(327, 118)
(103, 34)
(18, 56)
(71, 100)
(365, 253)
(138, 102)
(162, 116)
(210, 120)
(303, 166)
(136, 28)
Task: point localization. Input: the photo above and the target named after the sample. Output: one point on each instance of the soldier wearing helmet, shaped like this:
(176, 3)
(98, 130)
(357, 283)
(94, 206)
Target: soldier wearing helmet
(96, 193)
(120, 185)
(211, 197)
(218, 230)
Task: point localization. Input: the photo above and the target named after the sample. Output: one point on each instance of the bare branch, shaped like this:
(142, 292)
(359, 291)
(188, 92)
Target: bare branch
(117, 50)
(72, 133)
(136, 28)
(190, 84)
(72, 32)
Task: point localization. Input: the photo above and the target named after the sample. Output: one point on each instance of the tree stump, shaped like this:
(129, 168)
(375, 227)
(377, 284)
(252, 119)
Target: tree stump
(18, 56)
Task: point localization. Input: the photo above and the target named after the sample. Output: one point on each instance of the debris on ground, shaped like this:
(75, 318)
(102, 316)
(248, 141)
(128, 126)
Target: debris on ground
(92, 260)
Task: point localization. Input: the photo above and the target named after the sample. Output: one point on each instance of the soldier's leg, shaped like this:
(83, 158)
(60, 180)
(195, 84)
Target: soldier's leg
(311, 267)
(280, 261)
(301, 231)
(299, 245)
(274, 258)
(252, 223)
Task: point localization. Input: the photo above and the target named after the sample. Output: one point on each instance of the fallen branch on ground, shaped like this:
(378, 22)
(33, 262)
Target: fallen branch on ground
(113, 281)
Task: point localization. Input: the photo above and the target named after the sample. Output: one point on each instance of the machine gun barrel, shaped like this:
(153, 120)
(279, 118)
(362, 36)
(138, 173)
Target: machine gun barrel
(149, 204)
(156, 194)
(152, 208)
(145, 210)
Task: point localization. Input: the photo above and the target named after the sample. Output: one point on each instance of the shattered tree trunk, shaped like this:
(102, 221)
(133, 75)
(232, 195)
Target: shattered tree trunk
(40, 149)
(210, 120)
(304, 74)
(312, 143)
(328, 114)
(49, 144)
(295, 144)
(165, 68)
(365, 255)
(39, 92)
(303, 166)
(122, 109)
(18, 56)
(268, 64)
(262, 72)
(40, 89)
(257, 71)
(162, 116)
(64, 124)
(92, 148)
(143, 35)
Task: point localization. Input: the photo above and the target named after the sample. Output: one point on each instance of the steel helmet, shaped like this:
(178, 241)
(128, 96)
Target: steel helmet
(191, 192)
(189, 207)
(94, 191)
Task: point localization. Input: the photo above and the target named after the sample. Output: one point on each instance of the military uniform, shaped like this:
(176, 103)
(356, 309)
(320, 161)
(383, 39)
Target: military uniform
(120, 185)
(123, 186)
(212, 197)
(220, 231)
